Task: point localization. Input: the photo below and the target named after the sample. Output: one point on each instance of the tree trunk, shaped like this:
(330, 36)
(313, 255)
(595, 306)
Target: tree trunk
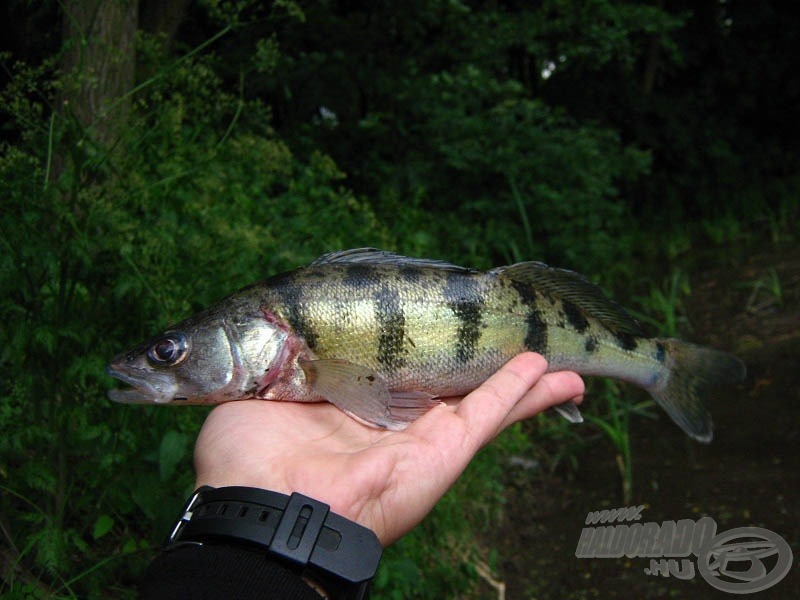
(99, 64)
(163, 16)
(653, 60)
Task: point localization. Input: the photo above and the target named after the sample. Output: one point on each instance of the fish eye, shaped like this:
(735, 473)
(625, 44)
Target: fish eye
(168, 351)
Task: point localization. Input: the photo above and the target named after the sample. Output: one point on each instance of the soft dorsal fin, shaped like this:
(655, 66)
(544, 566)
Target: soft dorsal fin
(575, 288)
(373, 256)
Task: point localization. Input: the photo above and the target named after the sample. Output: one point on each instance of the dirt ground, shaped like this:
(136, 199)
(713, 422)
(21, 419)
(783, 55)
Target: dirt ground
(748, 476)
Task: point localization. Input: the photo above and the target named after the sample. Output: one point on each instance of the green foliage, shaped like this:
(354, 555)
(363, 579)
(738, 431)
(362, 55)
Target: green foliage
(614, 421)
(663, 308)
(102, 250)
(471, 136)
(486, 141)
(766, 293)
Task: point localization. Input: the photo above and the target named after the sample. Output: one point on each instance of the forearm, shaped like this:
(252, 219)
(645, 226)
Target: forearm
(222, 571)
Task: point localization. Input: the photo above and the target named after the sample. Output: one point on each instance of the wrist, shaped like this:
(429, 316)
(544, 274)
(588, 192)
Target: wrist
(338, 555)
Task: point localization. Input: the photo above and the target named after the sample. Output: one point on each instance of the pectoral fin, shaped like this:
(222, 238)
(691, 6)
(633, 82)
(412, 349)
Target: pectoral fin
(406, 407)
(364, 394)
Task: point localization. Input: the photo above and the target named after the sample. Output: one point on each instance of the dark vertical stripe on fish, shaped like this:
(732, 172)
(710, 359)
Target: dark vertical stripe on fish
(591, 344)
(469, 314)
(536, 337)
(356, 274)
(291, 291)
(536, 334)
(575, 316)
(661, 352)
(410, 274)
(626, 341)
(466, 302)
(392, 328)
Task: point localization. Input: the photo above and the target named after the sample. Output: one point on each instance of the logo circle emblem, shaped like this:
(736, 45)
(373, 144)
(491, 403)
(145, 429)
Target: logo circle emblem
(732, 560)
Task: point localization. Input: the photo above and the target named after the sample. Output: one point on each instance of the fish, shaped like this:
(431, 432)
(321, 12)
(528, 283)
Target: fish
(386, 337)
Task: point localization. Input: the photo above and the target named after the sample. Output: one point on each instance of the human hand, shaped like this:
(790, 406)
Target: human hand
(387, 481)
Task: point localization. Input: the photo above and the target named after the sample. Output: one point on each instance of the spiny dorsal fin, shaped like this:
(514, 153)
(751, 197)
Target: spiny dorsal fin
(373, 256)
(574, 287)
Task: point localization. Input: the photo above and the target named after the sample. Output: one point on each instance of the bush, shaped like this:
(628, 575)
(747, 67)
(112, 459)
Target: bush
(103, 251)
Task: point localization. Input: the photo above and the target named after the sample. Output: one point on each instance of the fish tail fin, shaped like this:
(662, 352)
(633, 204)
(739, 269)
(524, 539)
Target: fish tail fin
(692, 371)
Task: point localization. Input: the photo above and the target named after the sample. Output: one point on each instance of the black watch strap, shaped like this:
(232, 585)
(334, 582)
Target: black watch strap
(297, 530)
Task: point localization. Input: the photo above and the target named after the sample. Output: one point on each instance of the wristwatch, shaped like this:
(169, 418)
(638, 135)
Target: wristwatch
(297, 531)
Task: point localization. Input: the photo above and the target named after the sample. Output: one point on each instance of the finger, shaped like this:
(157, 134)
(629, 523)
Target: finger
(485, 410)
(552, 389)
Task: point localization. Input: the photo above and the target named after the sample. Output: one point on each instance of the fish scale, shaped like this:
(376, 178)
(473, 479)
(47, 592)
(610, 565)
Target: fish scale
(383, 336)
(418, 330)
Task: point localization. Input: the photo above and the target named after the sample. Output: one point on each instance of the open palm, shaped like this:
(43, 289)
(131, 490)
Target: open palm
(387, 481)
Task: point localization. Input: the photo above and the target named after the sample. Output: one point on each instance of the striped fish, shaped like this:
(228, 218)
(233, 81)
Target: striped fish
(383, 336)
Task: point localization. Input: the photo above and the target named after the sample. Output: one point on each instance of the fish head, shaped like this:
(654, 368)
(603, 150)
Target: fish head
(199, 361)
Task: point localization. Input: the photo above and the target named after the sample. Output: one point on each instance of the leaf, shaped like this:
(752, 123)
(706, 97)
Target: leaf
(102, 526)
(129, 546)
(172, 450)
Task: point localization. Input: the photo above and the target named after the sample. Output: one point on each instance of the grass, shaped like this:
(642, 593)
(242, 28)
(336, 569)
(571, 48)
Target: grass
(766, 293)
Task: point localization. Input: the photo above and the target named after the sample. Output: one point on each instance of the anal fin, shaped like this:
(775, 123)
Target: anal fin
(569, 410)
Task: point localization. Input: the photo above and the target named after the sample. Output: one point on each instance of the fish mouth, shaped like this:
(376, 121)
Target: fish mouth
(141, 391)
